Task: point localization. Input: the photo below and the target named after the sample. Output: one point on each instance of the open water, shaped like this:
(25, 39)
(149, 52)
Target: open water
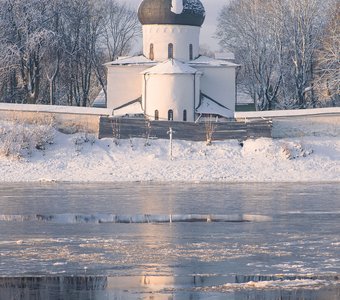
(169, 241)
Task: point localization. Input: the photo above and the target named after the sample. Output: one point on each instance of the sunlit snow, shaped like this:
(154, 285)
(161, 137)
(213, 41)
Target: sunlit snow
(82, 157)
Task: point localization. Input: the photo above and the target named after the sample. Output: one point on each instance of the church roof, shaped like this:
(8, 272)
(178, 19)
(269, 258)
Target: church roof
(201, 61)
(209, 61)
(166, 12)
(131, 60)
(171, 66)
(133, 107)
(210, 106)
(100, 100)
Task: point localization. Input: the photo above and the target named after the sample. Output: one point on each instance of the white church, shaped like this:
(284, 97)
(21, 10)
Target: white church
(171, 80)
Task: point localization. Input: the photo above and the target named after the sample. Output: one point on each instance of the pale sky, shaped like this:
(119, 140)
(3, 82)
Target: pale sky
(212, 8)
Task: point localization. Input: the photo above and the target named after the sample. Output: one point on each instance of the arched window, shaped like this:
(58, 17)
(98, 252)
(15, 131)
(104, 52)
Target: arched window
(170, 50)
(156, 115)
(151, 54)
(191, 52)
(185, 115)
(170, 115)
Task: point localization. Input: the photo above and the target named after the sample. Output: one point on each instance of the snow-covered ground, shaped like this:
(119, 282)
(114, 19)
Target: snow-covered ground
(83, 158)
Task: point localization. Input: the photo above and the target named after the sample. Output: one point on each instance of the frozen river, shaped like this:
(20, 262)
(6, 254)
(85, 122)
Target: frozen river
(170, 241)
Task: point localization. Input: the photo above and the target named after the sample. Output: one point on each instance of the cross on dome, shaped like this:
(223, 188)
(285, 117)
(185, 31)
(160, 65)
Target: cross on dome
(177, 6)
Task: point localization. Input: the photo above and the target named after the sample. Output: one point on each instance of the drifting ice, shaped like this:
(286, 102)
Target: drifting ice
(134, 219)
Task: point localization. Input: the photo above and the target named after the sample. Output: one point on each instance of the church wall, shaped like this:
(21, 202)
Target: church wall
(170, 92)
(181, 36)
(124, 84)
(219, 84)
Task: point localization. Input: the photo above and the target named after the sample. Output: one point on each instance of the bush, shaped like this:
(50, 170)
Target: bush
(19, 140)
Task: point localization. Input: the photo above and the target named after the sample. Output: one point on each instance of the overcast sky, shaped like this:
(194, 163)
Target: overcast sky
(212, 8)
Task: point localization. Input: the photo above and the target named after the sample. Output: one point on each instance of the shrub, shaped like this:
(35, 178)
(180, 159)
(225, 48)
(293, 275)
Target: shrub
(18, 140)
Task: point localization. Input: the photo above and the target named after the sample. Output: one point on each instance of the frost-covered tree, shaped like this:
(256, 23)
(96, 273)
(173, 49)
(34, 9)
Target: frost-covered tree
(304, 24)
(276, 42)
(81, 28)
(328, 59)
(53, 51)
(24, 38)
(245, 28)
(122, 27)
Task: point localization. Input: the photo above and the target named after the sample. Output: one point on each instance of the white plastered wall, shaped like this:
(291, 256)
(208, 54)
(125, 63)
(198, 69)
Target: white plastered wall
(124, 84)
(219, 84)
(181, 36)
(170, 91)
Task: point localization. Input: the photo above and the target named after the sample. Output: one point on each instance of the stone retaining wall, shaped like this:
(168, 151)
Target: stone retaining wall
(65, 119)
(318, 125)
(296, 123)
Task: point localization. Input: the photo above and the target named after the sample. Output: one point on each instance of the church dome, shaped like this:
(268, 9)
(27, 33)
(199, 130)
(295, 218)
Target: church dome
(161, 12)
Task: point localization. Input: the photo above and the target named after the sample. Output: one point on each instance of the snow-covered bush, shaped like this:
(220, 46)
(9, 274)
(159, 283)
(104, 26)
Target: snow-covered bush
(273, 149)
(210, 128)
(294, 150)
(19, 140)
(82, 138)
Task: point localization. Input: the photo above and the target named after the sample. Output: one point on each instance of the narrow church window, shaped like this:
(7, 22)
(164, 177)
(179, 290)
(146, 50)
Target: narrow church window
(191, 52)
(170, 115)
(151, 54)
(156, 115)
(170, 50)
(185, 115)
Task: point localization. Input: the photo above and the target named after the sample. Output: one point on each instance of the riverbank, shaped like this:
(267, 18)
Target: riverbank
(35, 153)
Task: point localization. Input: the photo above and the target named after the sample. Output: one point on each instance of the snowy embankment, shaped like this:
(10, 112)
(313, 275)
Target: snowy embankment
(39, 153)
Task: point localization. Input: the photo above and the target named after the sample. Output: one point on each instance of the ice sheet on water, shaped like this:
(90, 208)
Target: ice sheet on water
(282, 284)
(277, 282)
(297, 212)
(70, 218)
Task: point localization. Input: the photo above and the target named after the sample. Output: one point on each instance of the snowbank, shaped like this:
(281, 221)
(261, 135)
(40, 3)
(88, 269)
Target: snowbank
(83, 158)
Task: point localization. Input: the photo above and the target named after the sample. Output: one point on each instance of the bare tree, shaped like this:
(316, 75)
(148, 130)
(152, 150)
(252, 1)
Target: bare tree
(26, 38)
(53, 51)
(122, 27)
(328, 67)
(303, 27)
(276, 42)
(53, 55)
(244, 27)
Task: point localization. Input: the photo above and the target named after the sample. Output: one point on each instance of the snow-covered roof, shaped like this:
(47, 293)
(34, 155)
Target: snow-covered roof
(211, 107)
(131, 60)
(200, 61)
(208, 61)
(100, 100)
(171, 66)
(194, 6)
(224, 56)
(133, 107)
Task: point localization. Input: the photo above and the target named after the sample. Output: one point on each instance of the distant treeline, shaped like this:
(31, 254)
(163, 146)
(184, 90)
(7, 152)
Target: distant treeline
(53, 51)
(289, 50)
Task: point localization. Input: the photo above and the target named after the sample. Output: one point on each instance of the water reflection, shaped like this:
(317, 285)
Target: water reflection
(150, 287)
(74, 255)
